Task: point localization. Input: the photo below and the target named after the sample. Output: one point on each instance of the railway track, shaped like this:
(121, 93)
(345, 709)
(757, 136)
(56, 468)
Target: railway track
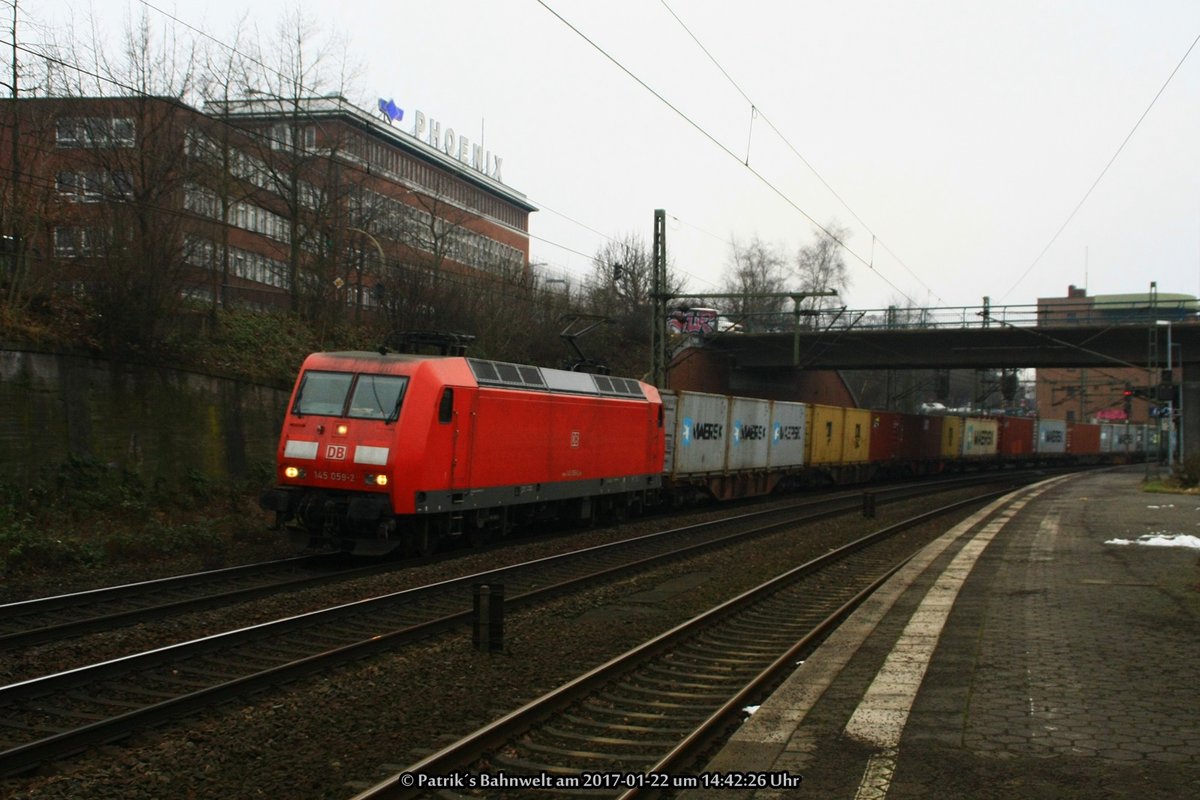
(43, 620)
(635, 725)
(49, 717)
(49, 619)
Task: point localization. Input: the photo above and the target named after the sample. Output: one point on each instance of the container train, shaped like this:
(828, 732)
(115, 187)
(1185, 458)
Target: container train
(402, 452)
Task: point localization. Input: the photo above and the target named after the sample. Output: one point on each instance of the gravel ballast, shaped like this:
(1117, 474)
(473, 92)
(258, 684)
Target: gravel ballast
(326, 736)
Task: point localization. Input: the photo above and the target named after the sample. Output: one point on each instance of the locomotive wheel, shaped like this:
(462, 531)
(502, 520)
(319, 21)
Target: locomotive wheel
(478, 532)
(424, 539)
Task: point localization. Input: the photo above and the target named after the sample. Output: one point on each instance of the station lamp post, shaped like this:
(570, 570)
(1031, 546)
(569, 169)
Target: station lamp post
(358, 287)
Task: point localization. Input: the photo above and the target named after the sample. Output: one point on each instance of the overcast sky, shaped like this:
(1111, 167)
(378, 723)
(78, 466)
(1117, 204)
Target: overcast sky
(959, 135)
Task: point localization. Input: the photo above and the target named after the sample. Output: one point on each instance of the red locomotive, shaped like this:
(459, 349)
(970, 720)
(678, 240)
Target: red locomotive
(380, 452)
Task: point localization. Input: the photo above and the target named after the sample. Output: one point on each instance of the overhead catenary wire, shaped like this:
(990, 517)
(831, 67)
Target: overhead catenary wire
(1104, 171)
(724, 148)
(269, 69)
(539, 203)
(133, 91)
(756, 112)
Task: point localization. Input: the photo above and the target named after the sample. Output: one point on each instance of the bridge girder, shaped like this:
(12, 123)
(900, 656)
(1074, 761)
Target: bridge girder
(997, 347)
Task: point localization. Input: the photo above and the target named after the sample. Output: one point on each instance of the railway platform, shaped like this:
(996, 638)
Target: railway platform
(1024, 654)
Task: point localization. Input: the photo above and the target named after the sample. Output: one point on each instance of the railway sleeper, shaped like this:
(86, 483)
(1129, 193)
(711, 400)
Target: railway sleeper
(612, 741)
(588, 722)
(602, 756)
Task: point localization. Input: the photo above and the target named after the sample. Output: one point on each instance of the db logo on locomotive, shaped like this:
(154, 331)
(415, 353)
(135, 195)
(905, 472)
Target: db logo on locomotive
(336, 452)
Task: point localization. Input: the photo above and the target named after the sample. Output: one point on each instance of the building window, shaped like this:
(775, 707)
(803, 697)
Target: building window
(75, 242)
(93, 187)
(95, 132)
(282, 138)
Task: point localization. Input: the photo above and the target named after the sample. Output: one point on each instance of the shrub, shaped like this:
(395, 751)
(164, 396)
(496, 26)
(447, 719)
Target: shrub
(1187, 474)
(23, 549)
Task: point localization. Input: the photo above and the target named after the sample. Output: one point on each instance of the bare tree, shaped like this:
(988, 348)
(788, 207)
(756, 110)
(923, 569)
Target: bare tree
(621, 288)
(300, 156)
(755, 270)
(137, 168)
(219, 153)
(821, 267)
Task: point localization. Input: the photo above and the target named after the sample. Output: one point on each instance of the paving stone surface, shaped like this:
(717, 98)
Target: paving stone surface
(1068, 667)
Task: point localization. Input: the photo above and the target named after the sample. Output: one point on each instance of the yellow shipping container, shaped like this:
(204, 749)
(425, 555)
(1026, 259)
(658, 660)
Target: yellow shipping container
(856, 436)
(825, 437)
(952, 436)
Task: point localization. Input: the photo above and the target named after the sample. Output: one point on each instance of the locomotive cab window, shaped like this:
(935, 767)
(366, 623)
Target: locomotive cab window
(342, 394)
(377, 397)
(446, 406)
(323, 393)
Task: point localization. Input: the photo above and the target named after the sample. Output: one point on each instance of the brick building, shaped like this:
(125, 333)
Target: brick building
(259, 202)
(1099, 394)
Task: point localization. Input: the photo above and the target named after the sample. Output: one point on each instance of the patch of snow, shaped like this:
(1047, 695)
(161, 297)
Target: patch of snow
(1161, 539)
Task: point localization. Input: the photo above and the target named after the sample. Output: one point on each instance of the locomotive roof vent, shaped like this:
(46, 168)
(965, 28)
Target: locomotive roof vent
(618, 386)
(500, 373)
(520, 376)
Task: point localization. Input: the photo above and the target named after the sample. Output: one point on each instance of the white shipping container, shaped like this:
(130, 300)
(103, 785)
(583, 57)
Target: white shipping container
(980, 437)
(1139, 439)
(789, 422)
(701, 429)
(1109, 435)
(749, 435)
(1052, 436)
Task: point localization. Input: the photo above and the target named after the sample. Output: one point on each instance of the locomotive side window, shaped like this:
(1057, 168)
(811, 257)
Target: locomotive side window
(446, 406)
(323, 393)
(377, 397)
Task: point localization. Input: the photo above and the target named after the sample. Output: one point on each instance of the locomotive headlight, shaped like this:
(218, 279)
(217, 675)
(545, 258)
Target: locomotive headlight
(293, 472)
(377, 480)
(342, 429)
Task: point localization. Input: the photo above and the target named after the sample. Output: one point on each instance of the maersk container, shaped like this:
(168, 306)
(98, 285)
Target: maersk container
(749, 435)
(980, 435)
(699, 431)
(1116, 437)
(1052, 436)
(788, 426)
(1143, 440)
(825, 440)
(1108, 437)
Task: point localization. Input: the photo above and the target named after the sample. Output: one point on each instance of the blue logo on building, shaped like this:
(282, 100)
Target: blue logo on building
(389, 109)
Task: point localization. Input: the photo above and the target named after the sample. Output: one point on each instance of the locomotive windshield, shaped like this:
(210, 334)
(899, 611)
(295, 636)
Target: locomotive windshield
(343, 394)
